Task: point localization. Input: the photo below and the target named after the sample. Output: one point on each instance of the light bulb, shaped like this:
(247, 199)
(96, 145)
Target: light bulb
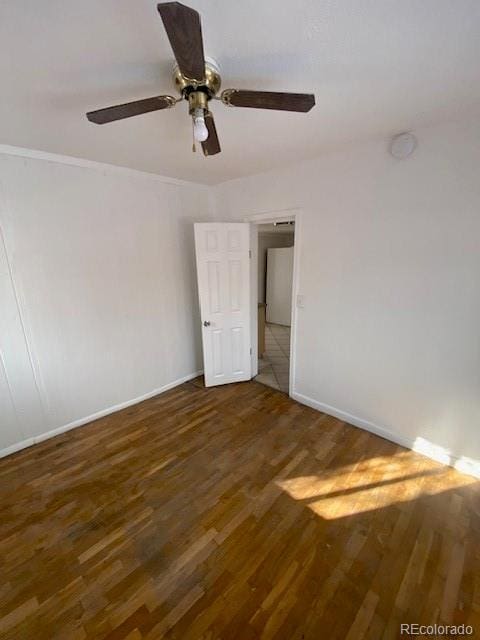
(200, 131)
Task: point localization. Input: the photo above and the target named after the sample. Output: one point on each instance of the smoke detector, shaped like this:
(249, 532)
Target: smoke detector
(403, 145)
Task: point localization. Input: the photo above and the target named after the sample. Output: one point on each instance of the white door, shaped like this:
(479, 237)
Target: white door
(223, 271)
(279, 285)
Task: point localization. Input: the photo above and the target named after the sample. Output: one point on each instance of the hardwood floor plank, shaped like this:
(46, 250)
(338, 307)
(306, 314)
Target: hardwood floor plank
(232, 513)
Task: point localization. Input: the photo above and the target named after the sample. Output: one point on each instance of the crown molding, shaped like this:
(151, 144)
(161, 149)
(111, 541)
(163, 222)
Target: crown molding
(84, 163)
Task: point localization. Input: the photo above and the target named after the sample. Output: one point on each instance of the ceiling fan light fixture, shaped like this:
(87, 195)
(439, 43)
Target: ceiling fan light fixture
(200, 131)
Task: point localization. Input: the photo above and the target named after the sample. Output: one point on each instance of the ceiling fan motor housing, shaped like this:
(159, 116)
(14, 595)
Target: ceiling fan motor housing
(197, 100)
(209, 85)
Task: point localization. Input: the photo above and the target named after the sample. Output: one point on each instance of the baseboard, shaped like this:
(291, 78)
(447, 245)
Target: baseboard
(436, 452)
(13, 448)
(95, 416)
(431, 450)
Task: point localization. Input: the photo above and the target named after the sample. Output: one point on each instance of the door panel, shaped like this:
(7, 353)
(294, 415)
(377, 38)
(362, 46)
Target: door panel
(235, 284)
(223, 270)
(214, 286)
(237, 347)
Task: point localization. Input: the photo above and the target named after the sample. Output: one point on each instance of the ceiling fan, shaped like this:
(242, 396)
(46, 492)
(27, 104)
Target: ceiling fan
(198, 81)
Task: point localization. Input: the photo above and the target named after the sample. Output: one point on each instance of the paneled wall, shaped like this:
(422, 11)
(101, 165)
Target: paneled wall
(98, 291)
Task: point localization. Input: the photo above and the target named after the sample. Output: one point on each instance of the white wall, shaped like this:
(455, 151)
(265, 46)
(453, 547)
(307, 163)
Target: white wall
(98, 291)
(269, 241)
(390, 270)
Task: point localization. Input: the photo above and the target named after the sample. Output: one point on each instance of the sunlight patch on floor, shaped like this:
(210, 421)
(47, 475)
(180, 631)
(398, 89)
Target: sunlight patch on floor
(372, 484)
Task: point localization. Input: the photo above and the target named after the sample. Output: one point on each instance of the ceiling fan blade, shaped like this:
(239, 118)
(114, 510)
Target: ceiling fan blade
(302, 102)
(129, 109)
(184, 32)
(211, 146)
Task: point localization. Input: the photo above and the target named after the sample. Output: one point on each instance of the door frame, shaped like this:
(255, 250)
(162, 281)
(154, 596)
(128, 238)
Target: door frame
(268, 217)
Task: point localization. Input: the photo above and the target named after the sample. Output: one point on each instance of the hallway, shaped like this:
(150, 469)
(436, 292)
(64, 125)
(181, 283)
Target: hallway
(274, 367)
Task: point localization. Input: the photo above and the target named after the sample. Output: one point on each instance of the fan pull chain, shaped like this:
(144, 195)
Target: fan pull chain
(193, 138)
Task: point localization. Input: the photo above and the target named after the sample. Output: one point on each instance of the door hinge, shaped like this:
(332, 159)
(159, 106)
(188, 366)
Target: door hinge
(249, 253)
(250, 350)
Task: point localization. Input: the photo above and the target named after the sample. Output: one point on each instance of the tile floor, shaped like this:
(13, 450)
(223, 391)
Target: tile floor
(273, 368)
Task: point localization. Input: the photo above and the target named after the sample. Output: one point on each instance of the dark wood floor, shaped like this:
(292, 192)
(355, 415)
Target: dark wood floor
(232, 513)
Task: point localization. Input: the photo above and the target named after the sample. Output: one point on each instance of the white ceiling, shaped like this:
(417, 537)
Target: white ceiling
(377, 67)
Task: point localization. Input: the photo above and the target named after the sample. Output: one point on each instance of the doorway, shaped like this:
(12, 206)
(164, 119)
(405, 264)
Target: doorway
(274, 275)
(228, 283)
(274, 303)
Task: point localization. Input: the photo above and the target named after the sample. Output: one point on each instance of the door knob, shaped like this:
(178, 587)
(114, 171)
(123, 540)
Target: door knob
(206, 323)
